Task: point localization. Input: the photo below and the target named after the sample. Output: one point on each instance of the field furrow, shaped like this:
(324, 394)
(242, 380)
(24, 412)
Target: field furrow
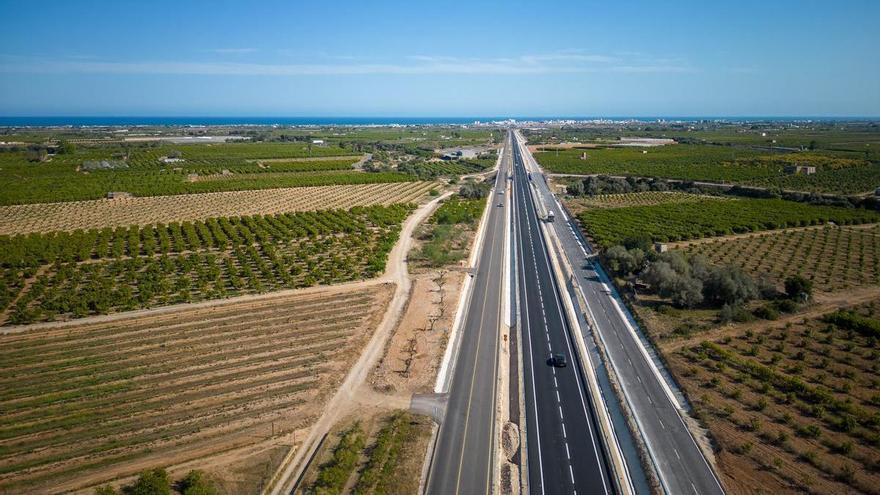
(97, 397)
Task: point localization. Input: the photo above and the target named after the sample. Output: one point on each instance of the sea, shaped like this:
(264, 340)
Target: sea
(110, 121)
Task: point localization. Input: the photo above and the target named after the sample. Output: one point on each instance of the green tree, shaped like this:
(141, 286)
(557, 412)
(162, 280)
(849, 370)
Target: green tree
(151, 482)
(196, 483)
(798, 287)
(729, 285)
(106, 490)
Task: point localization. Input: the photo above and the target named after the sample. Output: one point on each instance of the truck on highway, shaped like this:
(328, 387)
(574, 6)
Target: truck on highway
(550, 216)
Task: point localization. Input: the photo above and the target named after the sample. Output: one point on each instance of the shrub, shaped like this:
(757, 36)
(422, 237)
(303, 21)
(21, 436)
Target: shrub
(151, 482)
(766, 312)
(869, 327)
(335, 473)
(809, 431)
(798, 288)
(196, 483)
(786, 306)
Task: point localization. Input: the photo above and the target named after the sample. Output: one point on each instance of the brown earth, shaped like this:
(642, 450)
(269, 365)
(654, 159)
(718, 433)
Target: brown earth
(413, 353)
(189, 387)
(756, 424)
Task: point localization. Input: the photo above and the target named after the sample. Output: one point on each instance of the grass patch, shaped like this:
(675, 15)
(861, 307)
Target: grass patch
(445, 238)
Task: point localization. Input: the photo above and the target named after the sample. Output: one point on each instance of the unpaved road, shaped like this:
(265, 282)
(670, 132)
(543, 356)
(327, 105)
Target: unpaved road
(396, 272)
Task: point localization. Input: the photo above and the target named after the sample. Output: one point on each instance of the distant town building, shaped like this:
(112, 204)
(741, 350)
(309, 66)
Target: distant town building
(800, 169)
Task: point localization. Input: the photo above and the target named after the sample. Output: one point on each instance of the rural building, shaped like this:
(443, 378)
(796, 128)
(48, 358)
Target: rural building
(118, 195)
(319, 142)
(661, 247)
(169, 159)
(800, 169)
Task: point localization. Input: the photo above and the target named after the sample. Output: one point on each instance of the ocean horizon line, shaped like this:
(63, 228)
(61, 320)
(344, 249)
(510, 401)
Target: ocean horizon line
(256, 120)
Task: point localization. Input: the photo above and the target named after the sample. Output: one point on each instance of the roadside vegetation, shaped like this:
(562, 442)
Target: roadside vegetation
(689, 282)
(428, 170)
(445, 238)
(383, 459)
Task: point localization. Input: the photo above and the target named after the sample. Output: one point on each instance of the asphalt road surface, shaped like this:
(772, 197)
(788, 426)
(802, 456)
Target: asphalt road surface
(463, 459)
(680, 463)
(564, 453)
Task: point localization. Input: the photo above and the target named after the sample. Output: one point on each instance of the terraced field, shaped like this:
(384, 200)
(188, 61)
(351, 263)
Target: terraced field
(834, 258)
(84, 404)
(101, 213)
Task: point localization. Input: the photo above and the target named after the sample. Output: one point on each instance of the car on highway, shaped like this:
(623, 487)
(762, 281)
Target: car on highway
(558, 360)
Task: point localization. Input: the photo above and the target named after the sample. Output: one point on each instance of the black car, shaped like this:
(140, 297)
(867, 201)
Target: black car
(558, 360)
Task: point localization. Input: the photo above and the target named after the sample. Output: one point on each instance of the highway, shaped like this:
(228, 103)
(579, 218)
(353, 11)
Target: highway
(678, 461)
(463, 460)
(563, 449)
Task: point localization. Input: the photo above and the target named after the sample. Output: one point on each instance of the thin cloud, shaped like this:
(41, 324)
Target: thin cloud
(552, 63)
(232, 51)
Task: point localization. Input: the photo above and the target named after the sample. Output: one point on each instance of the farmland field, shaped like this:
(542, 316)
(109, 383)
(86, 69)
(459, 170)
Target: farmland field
(82, 404)
(793, 407)
(101, 213)
(711, 217)
(847, 174)
(63, 275)
(65, 177)
(427, 170)
(623, 200)
(833, 258)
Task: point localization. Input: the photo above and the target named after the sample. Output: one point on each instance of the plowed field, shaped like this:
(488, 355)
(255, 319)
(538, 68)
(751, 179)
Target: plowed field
(82, 404)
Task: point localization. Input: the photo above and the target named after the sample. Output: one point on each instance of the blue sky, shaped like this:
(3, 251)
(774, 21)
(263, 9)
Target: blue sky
(577, 58)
